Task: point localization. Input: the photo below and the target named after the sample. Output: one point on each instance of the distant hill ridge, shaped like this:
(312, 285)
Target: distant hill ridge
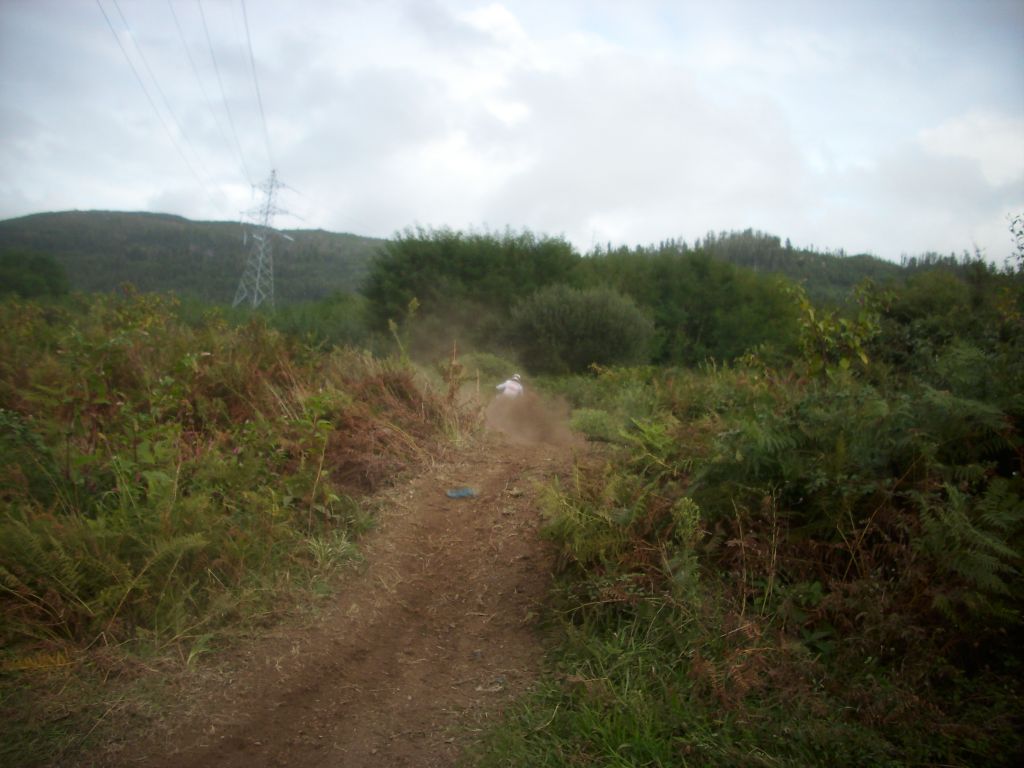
(826, 276)
(100, 250)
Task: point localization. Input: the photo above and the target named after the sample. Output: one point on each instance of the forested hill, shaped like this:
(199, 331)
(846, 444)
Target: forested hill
(827, 277)
(100, 250)
(203, 259)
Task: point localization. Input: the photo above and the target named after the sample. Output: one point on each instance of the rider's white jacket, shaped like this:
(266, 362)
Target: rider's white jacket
(510, 388)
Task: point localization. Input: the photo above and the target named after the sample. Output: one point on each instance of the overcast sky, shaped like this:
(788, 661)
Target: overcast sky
(892, 127)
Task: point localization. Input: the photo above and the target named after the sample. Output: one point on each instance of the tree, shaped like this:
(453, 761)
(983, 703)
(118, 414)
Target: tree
(561, 329)
(465, 283)
(29, 274)
(701, 307)
(1017, 230)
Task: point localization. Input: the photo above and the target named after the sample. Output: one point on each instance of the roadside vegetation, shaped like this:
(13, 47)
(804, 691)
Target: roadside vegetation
(808, 563)
(165, 486)
(804, 547)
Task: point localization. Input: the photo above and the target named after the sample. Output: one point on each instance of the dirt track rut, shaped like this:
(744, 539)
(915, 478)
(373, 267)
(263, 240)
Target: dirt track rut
(427, 641)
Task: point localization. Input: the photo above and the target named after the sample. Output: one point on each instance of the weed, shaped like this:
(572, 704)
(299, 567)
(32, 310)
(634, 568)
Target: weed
(785, 570)
(166, 483)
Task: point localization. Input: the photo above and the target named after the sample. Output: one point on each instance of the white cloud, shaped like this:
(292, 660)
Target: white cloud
(497, 20)
(859, 128)
(994, 142)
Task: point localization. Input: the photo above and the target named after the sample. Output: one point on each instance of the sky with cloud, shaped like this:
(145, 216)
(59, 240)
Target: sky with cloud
(891, 127)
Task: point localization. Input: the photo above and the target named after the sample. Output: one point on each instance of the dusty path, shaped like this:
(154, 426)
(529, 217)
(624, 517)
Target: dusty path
(434, 635)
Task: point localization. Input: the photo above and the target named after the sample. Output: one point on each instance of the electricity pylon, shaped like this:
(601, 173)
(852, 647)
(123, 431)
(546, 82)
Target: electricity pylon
(257, 283)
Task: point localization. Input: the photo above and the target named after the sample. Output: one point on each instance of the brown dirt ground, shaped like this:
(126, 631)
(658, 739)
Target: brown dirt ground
(429, 639)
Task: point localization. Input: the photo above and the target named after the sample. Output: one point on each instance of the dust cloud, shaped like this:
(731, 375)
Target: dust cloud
(530, 419)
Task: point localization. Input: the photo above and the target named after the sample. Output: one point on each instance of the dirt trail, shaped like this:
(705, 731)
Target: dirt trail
(435, 634)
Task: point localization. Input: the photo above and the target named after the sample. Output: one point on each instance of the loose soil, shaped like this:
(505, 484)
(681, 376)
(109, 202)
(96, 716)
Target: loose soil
(423, 644)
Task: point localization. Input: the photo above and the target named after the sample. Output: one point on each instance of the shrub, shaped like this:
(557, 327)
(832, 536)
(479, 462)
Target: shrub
(463, 281)
(596, 425)
(818, 571)
(341, 320)
(560, 329)
(155, 472)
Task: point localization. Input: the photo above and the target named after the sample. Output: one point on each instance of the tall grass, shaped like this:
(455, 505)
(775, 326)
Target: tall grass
(163, 483)
(787, 569)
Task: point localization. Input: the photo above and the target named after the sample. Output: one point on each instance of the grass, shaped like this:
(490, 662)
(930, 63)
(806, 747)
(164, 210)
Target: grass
(52, 715)
(656, 688)
(167, 486)
(756, 580)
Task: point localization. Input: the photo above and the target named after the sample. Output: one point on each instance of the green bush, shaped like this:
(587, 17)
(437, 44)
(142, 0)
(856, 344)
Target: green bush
(786, 569)
(340, 320)
(560, 329)
(702, 308)
(490, 367)
(596, 425)
(159, 478)
(464, 282)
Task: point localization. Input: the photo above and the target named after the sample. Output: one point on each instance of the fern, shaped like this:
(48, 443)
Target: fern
(1000, 508)
(965, 431)
(165, 550)
(972, 544)
(41, 571)
(655, 448)
(587, 533)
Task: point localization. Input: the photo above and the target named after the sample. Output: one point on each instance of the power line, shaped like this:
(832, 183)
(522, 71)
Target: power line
(156, 82)
(256, 82)
(224, 98)
(145, 90)
(206, 96)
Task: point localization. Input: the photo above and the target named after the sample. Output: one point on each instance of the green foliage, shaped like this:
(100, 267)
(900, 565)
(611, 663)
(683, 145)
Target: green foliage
(784, 569)
(101, 250)
(400, 333)
(656, 687)
(850, 469)
(164, 485)
(828, 277)
(596, 424)
(1016, 261)
(561, 329)
(969, 540)
(960, 328)
(487, 366)
(625, 393)
(623, 534)
(161, 477)
(829, 341)
(608, 404)
(31, 275)
(338, 320)
(702, 308)
(464, 283)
